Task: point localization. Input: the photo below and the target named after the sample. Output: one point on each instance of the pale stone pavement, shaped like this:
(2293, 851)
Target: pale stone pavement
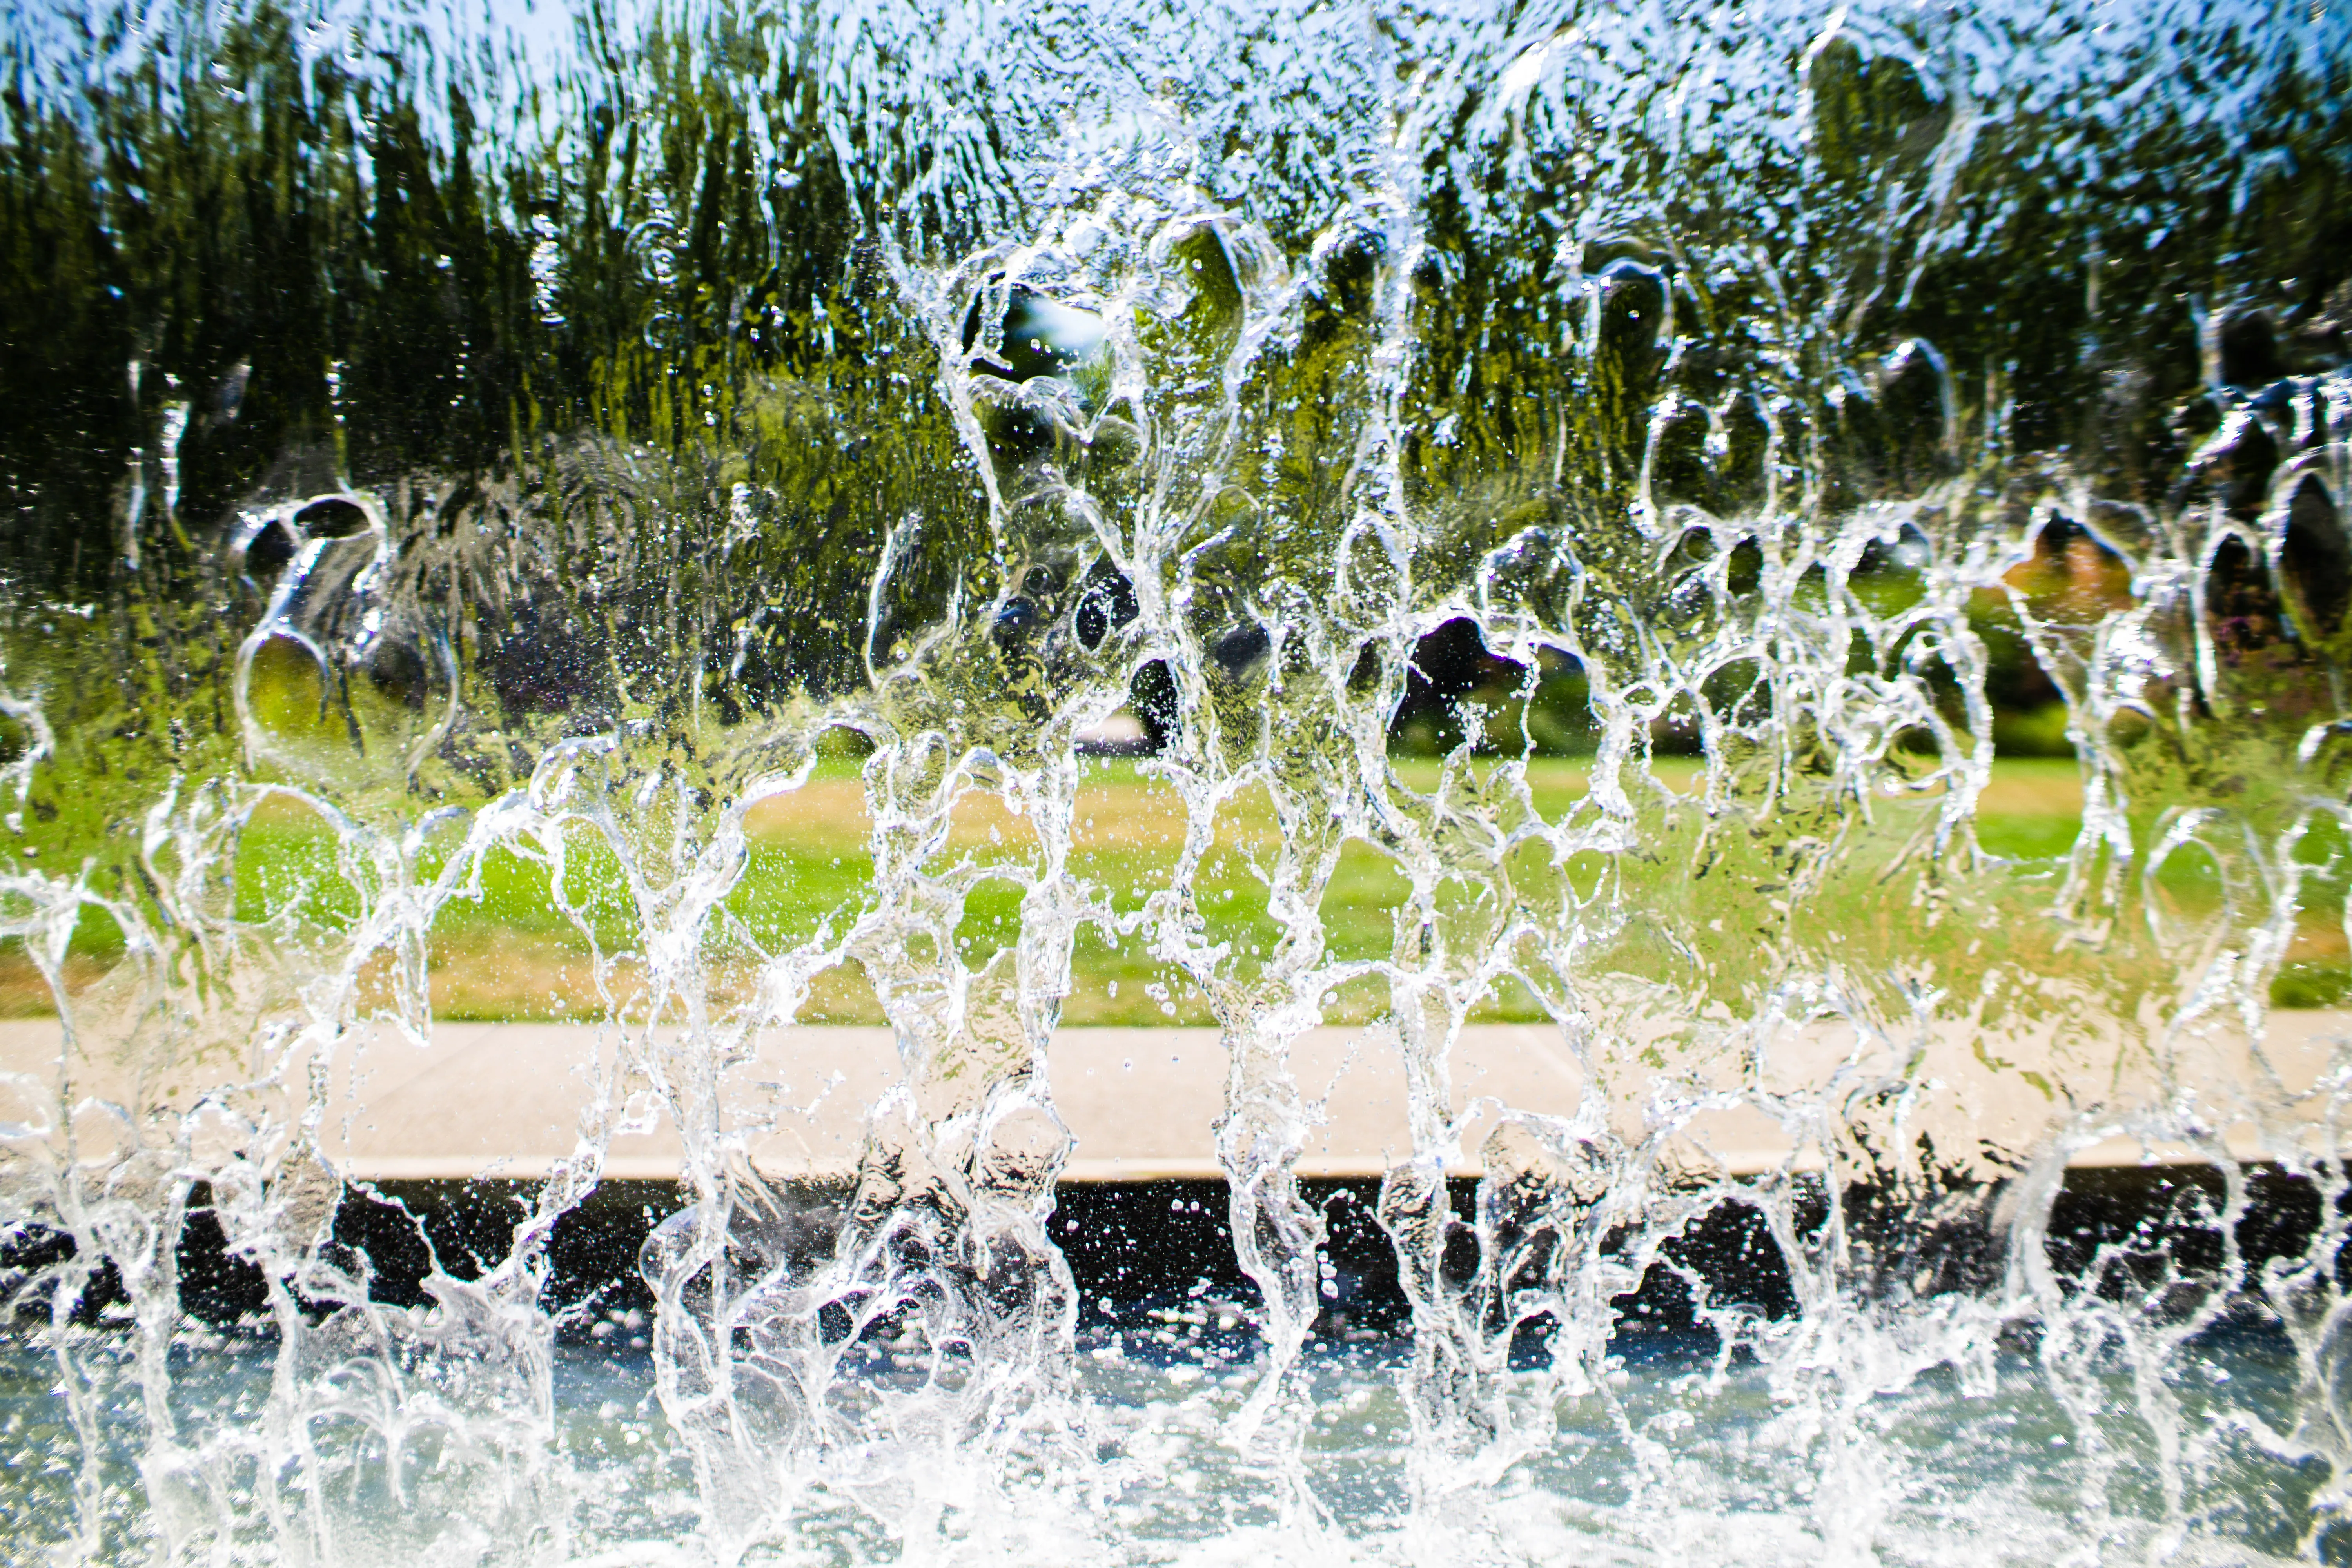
(507, 1099)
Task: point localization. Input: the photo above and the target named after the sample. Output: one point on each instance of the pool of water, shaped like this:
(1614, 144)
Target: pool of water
(1675, 1453)
(2150, 1426)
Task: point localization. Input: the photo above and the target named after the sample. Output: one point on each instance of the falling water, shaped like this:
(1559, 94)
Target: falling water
(508, 454)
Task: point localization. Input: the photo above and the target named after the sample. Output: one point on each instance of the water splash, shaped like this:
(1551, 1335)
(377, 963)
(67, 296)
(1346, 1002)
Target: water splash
(541, 447)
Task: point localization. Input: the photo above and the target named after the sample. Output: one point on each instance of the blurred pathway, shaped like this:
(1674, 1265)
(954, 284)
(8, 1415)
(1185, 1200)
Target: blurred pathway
(508, 1099)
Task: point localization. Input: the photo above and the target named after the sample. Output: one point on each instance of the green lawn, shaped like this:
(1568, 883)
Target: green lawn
(514, 951)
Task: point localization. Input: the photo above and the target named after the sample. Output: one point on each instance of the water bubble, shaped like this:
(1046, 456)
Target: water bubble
(1241, 652)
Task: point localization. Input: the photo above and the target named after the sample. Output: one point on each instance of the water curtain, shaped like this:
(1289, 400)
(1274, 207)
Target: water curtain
(445, 456)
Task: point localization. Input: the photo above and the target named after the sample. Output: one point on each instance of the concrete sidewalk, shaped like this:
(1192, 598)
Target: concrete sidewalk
(507, 1099)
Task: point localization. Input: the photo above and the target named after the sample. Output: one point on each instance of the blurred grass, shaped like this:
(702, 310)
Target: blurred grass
(515, 952)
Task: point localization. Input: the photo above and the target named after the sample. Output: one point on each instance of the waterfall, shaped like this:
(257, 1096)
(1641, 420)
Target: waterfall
(644, 517)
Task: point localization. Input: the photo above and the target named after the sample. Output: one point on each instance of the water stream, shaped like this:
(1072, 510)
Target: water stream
(452, 458)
